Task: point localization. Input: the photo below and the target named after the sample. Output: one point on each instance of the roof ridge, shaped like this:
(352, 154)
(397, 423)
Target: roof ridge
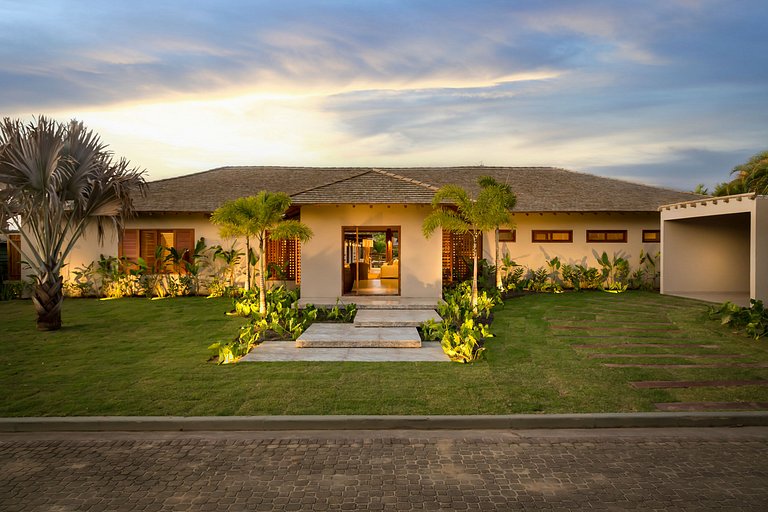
(331, 182)
(408, 180)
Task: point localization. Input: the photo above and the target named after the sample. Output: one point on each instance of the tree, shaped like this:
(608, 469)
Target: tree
(751, 176)
(56, 180)
(503, 199)
(754, 173)
(255, 216)
(466, 216)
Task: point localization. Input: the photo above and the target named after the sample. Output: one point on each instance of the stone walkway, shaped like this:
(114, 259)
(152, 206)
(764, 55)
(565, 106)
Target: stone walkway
(626, 469)
(280, 351)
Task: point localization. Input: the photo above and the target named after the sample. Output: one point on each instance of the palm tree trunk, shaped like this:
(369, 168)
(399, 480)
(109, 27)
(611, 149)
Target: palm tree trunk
(474, 272)
(262, 281)
(47, 299)
(247, 263)
(499, 284)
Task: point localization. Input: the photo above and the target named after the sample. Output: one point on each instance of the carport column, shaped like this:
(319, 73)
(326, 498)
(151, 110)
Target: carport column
(759, 250)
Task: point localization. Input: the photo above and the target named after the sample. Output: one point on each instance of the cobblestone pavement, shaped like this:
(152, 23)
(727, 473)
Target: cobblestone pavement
(644, 469)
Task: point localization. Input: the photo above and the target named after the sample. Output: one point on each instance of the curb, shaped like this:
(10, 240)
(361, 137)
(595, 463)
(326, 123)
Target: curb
(266, 423)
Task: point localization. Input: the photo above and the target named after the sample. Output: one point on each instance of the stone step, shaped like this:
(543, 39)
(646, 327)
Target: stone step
(328, 335)
(394, 317)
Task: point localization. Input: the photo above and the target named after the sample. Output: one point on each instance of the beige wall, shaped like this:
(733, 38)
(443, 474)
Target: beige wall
(716, 246)
(321, 257)
(534, 255)
(759, 255)
(707, 255)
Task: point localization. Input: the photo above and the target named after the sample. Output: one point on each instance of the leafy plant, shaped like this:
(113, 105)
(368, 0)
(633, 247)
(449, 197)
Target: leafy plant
(463, 345)
(512, 274)
(83, 284)
(646, 277)
(553, 278)
(463, 325)
(614, 273)
(537, 280)
(753, 319)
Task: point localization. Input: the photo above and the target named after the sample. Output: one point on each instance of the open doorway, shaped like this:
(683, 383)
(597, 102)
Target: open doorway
(371, 260)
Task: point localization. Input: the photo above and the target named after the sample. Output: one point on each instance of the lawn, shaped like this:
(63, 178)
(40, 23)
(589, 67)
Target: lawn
(142, 357)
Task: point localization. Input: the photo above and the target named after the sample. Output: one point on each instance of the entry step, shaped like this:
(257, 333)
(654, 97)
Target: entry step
(328, 335)
(394, 317)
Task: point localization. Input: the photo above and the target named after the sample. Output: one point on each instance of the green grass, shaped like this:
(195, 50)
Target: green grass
(141, 357)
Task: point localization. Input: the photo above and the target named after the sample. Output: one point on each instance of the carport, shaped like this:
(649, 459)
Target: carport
(716, 249)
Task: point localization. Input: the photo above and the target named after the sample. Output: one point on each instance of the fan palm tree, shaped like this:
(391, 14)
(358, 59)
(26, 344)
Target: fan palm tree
(504, 200)
(259, 216)
(466, 216)
(56, 180)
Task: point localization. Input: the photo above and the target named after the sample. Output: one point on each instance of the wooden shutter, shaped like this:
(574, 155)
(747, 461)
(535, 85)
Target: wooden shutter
(148, 245)
(128, 245)
(283, 254)
(298, 262)
(457, 256)
(14, 258)
(184, 240)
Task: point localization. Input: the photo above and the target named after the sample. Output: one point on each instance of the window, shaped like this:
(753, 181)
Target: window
(144, 244)
(552, 236)
(607, 236)
(651, 236)
(507, 235)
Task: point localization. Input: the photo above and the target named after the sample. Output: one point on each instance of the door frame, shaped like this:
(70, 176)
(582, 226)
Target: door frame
(367, 229)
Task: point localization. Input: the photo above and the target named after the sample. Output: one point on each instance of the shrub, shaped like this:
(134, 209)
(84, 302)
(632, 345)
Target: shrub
(462, 328)
(753, 320)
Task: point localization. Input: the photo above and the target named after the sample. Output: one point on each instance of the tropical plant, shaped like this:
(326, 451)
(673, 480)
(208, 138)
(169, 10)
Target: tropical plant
(230, 258)
(753, 319)
(467, 216)
(614, 272)
(502, 200)
(256, 216)
(553, 276)
(57, 180)
(646, 276)
(751, 176)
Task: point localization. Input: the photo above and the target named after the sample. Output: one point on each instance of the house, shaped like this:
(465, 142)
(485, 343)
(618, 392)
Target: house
(367, 222)
(716, 248)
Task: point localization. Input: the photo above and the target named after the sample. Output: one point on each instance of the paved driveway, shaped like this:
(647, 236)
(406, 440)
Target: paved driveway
(644, 469)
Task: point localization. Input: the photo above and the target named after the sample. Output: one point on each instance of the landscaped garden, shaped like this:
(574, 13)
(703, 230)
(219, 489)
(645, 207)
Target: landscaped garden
(552, 353)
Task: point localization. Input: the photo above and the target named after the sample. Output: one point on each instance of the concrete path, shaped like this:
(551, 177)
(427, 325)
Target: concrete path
(430, 351)
(627, 469)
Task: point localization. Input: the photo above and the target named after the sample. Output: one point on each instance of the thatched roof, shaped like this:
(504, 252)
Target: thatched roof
(538, 189)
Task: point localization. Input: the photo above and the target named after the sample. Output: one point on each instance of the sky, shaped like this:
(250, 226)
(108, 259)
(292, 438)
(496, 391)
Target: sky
(671, 92)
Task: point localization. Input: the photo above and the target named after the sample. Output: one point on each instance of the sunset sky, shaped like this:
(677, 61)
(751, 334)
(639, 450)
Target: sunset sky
(669, 92)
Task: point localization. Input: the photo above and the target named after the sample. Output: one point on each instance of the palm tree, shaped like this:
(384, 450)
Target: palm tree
(466, 216)
(503, 200)
(55, 180)
(254, 216)
(754, 173)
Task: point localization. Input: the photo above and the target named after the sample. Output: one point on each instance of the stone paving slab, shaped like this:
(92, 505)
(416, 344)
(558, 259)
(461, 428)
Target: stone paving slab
(712, 406)
(688, 469)
(394, 317)
(681, 356)
(270, 351)
(716, 365)
(338, 335)
(643, 345)
(669, 384)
